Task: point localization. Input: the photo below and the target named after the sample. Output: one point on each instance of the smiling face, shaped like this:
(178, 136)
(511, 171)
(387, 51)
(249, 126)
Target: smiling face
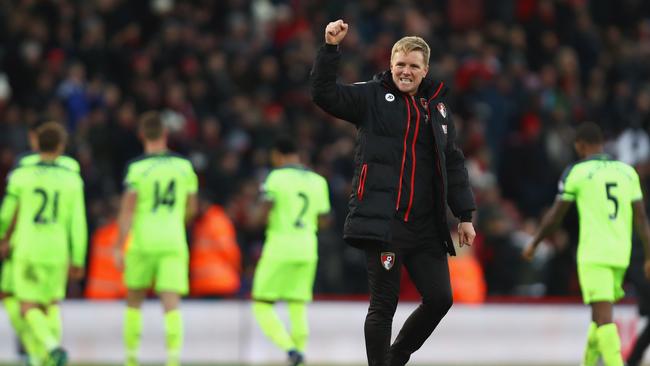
(408, 70)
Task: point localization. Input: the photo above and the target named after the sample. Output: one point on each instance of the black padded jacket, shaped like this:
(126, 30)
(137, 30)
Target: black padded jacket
(385, 118)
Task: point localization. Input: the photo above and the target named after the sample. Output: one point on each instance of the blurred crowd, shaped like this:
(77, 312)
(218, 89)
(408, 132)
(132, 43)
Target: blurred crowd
(230, 75)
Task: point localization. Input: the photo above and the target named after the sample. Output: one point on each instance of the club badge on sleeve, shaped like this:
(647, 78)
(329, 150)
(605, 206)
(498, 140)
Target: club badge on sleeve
(442, 109)
(387, 260)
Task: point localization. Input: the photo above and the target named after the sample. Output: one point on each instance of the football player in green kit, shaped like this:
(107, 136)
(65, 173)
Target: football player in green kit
(159, 198)
(10, 302)
(48, 232)
(609, 200)
(295, 201)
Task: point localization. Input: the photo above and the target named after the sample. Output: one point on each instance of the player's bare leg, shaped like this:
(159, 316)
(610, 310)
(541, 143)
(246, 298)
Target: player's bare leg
(607, 339)
(173, 326)
(602, 312)
(133, 325)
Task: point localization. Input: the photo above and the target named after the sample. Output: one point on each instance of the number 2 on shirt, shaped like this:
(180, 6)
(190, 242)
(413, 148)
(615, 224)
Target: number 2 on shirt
(305, 204)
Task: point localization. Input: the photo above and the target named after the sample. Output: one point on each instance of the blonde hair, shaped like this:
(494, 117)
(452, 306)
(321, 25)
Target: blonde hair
(410, 44)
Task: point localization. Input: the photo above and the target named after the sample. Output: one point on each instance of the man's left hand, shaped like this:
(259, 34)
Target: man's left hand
(466, 234)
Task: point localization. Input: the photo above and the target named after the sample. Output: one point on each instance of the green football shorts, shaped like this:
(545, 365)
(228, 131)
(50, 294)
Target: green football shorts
(289, 281)
(7, 277)
(39, 283)
(601, 282)
(167, 272)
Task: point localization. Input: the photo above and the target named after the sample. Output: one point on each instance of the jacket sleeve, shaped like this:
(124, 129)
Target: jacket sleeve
(342, 101)
(459, 193)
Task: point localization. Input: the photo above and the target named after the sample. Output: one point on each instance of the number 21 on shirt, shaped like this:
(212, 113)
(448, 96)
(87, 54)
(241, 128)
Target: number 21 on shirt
(48, 207)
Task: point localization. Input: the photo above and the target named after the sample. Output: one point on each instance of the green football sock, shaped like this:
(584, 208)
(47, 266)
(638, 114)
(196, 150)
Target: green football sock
(12, 307)
(299, 326)
(174, 333)
(132, 331)
(609, 344)
(40, 329)
(591, 349)
(54, 319)
(33, 348)
(272, 326)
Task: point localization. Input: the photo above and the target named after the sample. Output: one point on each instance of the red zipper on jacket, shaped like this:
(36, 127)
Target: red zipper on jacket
(406, 135)
(415, 135)
(362, 181)
(413, 157)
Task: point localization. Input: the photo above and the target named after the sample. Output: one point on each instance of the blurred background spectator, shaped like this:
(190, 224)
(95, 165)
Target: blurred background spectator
(230, 75)
(215, 258)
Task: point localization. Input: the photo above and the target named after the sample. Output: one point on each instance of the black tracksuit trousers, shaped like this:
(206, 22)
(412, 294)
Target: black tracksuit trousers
(429, 272)
(636, 275)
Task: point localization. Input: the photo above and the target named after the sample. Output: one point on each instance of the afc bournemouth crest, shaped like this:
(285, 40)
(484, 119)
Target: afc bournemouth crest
(387, 260)
(424, 103)
(442, 109)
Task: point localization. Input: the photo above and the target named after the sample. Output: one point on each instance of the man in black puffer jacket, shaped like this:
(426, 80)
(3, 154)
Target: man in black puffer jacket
(408, 170)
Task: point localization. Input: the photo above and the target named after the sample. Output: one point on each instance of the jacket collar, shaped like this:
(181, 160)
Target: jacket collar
(427, 89)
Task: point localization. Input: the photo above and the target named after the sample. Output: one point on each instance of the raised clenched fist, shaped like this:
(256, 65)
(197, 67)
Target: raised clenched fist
(335, 32)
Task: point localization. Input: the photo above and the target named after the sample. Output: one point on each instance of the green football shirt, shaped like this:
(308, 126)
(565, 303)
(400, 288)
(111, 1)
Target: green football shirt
(162, 183)
(31, 158)
(603, 190)
(34, 158)
(299, 196)
(51, 225)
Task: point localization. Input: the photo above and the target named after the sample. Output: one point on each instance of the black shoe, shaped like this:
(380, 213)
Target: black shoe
(58, 357)
(296, 358)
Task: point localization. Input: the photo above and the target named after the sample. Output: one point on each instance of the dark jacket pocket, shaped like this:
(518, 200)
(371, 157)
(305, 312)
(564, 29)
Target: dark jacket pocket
(375, 194)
